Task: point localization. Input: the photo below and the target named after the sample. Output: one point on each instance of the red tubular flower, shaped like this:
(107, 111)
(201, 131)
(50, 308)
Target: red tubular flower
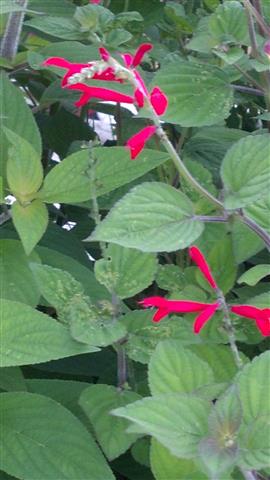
(266, 48)
(159, 101)
(260, 315)
(165, 307)
(198, 258)
(95, 1)
(140, 52)
(137, 142)
(99, 92)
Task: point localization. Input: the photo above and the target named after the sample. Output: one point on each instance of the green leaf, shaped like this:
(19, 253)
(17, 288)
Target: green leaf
(30, 222)
(177, 421)
(198, 94)
(219, 451)
(254, 275)
(11, 379)
(245, 171)
(97, 402)
(69, 181)
(24, 169)
(219, 358)
(166, 466)
(29, 336)
(173, 368)
(125, 271)
(14, 106)
(170, 277)
(152, 217)
(260, 211)
(57, 286)
(113, 168)
(91, 324)
(245, 242)
(254, 385)
(43, 438)
(19, 284)
(62, 8)
(140, 451)
(59, 27)
(144, 335)
(255, 444)
(229, 23)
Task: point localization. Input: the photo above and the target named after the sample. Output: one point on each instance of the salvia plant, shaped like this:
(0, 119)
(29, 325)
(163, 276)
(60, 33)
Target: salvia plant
(134, 239)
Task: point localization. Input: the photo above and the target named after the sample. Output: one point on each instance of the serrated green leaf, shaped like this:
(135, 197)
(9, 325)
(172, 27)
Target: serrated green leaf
(198, 94)
(170, 277)
(93, 325)
(97, 402)
(260, 212)
(152, 217)
(254, 387)
(255, 444)
(30, 222)
(11, 379)
(177, 421)
(42, 436)
(167, 466)
(245, 171)
(59, 27)
(62, 8)
(173, 368)
(14, 106)
(229, 23)
(125, 271)
(57, 286)
(245, 242)
(254, 275)
(19, 284)
(28, 336)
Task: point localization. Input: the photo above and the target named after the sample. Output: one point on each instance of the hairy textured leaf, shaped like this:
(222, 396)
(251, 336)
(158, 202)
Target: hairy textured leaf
(152, 217)
(173, 368)
(245, 171)
(43, 439)
(29, 336)
(97, 402)
(255, 444)
(177, 421)
(198, 94)
(30, 222)
(126, 271)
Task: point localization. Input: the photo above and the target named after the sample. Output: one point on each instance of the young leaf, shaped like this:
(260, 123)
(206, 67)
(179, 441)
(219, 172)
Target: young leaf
(177, 421)
(42, 438)
(97, 402)
(152, 217)
(254, 275)
(14, 107)
(198, 94)
(229, 23)
(245, 171)
(24, 168)
(125, 271)
(173, 368)
(29, 336)
(30, 222)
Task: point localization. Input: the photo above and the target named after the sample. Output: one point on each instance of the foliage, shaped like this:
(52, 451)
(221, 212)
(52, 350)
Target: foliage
(170, 211)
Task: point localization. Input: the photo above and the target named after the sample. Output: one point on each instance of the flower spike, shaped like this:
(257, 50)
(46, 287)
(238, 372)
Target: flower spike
(198, 258)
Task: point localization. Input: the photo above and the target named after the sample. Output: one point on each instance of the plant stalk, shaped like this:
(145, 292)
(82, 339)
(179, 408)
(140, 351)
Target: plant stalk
(230, 330)
(257, 229)
(248, 474)
(11, 38)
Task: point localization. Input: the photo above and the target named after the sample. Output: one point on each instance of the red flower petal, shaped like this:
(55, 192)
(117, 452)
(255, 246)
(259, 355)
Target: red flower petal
(204, 316)
(266, 48)
(104, 54)
(174, 306)
(128, 59)
(72, 67)
(260, 315)
(57, 62)
(160, 314)
(94, 1)
(198, 258)
(140, 82)
(99, 92)
(139, 96)
(137, 142)
(159, 101)
(141, 51)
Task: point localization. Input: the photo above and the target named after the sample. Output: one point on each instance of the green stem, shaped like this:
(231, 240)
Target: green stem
(265, 29)
(229, 329)
(11, 38)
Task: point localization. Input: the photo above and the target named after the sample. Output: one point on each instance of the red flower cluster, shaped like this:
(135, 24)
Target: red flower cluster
(156, 97)
(207, 310)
